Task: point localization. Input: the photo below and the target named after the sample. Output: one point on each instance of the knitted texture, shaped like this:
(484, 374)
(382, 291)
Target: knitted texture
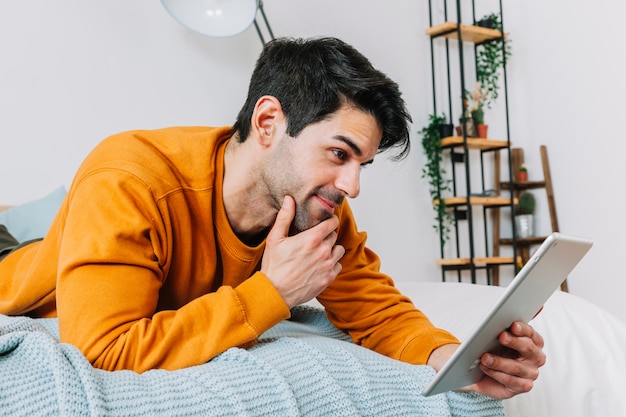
(302, 367)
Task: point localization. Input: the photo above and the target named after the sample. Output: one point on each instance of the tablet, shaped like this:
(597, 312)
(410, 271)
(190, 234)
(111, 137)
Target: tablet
(521, 300)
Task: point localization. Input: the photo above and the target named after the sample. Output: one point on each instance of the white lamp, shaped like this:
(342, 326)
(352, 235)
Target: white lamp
(217, 18)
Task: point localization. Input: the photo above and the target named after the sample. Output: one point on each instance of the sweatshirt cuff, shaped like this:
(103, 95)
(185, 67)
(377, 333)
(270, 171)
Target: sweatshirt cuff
(418, 350)
(263, 305)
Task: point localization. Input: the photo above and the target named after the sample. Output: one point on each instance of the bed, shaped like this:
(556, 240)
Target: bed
(585, 373)
(306, 367)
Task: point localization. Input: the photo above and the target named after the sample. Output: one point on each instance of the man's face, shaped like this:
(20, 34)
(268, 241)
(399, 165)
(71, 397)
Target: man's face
(322, 165)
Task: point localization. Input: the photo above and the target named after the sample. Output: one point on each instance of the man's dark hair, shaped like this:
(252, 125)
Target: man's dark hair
(313, 78)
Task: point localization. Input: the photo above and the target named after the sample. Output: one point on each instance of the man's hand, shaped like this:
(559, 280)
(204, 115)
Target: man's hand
(301, 266)
(510, 373)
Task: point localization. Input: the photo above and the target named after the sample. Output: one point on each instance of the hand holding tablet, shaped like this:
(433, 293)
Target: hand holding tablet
(521, 300)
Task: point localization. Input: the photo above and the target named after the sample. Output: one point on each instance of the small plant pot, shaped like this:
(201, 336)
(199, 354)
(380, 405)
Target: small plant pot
(446, 130)
(487, 22)
(481, 130)
(524, 225)
(522, 176)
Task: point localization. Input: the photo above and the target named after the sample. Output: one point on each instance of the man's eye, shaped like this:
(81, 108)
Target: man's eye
(341, 155)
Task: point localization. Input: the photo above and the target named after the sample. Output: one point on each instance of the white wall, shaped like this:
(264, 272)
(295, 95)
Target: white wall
(75, 71)
(570, 96)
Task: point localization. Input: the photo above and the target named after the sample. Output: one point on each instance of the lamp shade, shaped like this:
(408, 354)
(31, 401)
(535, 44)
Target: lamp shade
(216, 18)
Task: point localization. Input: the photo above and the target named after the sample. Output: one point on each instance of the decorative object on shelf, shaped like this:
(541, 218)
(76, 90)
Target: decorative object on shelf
(490, 60)
(524, 215)
(478, 96)
(467, 125)
(466, 121)
(522, 174)
(434, 172)
(218, 18)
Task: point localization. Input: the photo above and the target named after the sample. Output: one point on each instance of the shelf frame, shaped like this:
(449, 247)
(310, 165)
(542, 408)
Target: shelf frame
(460, 147)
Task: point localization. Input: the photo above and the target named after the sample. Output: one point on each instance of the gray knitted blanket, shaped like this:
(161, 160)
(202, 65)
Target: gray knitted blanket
(302, 367)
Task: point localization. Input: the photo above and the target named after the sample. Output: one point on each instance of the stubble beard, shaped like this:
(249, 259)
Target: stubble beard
(284, 178)
(305, 217)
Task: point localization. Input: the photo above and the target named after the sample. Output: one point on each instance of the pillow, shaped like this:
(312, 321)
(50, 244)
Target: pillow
(32, 220)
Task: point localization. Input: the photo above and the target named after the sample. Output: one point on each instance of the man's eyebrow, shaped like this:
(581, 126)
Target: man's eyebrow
(357, 151)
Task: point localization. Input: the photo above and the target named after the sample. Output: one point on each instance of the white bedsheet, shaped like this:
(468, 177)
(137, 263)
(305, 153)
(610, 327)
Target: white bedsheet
(585, 374)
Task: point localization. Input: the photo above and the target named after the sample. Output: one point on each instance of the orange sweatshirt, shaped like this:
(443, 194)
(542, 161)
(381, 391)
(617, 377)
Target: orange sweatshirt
(143, 270)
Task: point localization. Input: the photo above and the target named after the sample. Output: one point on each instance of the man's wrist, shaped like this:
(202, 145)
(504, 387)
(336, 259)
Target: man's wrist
(440, 355)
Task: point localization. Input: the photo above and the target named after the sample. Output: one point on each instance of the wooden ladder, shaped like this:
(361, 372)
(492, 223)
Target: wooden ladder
(524, 245)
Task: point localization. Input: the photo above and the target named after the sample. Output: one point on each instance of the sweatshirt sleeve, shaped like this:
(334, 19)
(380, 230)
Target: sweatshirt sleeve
(365, 303)
(111, 271)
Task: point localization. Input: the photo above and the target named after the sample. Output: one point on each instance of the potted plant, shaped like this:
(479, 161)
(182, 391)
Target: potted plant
(522, 174)
(490, 59)
(434, 172)
(524, 215)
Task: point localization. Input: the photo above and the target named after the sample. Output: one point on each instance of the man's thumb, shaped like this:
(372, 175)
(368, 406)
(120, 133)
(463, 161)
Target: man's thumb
(284, 219)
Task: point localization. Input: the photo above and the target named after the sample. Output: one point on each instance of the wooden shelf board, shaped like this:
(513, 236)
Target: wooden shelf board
(469, 33)
(479, 201)
(490, 260)
(523, 185)
(473, 143)
(526, 241)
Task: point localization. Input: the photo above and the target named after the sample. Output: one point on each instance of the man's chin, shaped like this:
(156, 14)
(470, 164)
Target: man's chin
(300, 225)
(298, 228)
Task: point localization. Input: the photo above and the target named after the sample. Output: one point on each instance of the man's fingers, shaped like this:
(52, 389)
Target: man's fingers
(521, 332)
(283, 221)
(337, 253)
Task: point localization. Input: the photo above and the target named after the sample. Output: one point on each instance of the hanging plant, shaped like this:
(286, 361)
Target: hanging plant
(434, 172)
(489, 61)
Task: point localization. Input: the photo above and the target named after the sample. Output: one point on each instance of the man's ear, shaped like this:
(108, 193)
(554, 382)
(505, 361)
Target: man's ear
(267, 120)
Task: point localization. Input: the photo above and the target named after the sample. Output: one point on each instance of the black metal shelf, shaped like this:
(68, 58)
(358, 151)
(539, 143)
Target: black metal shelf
(460, 148)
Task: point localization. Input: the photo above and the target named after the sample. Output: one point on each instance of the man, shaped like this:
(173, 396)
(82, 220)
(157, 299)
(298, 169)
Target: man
(176, 244)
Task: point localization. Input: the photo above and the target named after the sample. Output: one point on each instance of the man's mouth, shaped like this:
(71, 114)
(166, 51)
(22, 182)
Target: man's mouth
(328, 205)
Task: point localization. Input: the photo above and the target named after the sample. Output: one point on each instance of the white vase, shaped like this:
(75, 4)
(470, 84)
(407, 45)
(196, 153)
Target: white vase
(524, 225)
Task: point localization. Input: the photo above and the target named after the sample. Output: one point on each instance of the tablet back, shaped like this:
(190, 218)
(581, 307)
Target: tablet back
(522, 299)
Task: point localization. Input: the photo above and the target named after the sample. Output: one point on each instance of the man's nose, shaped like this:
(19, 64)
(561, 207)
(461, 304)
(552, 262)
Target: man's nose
(349, 181)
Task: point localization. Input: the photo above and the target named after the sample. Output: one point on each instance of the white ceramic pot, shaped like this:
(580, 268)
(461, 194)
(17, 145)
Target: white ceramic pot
(524, 225)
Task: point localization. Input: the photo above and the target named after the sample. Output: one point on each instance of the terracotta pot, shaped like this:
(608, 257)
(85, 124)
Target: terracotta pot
(522, 176)
(481, 130)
